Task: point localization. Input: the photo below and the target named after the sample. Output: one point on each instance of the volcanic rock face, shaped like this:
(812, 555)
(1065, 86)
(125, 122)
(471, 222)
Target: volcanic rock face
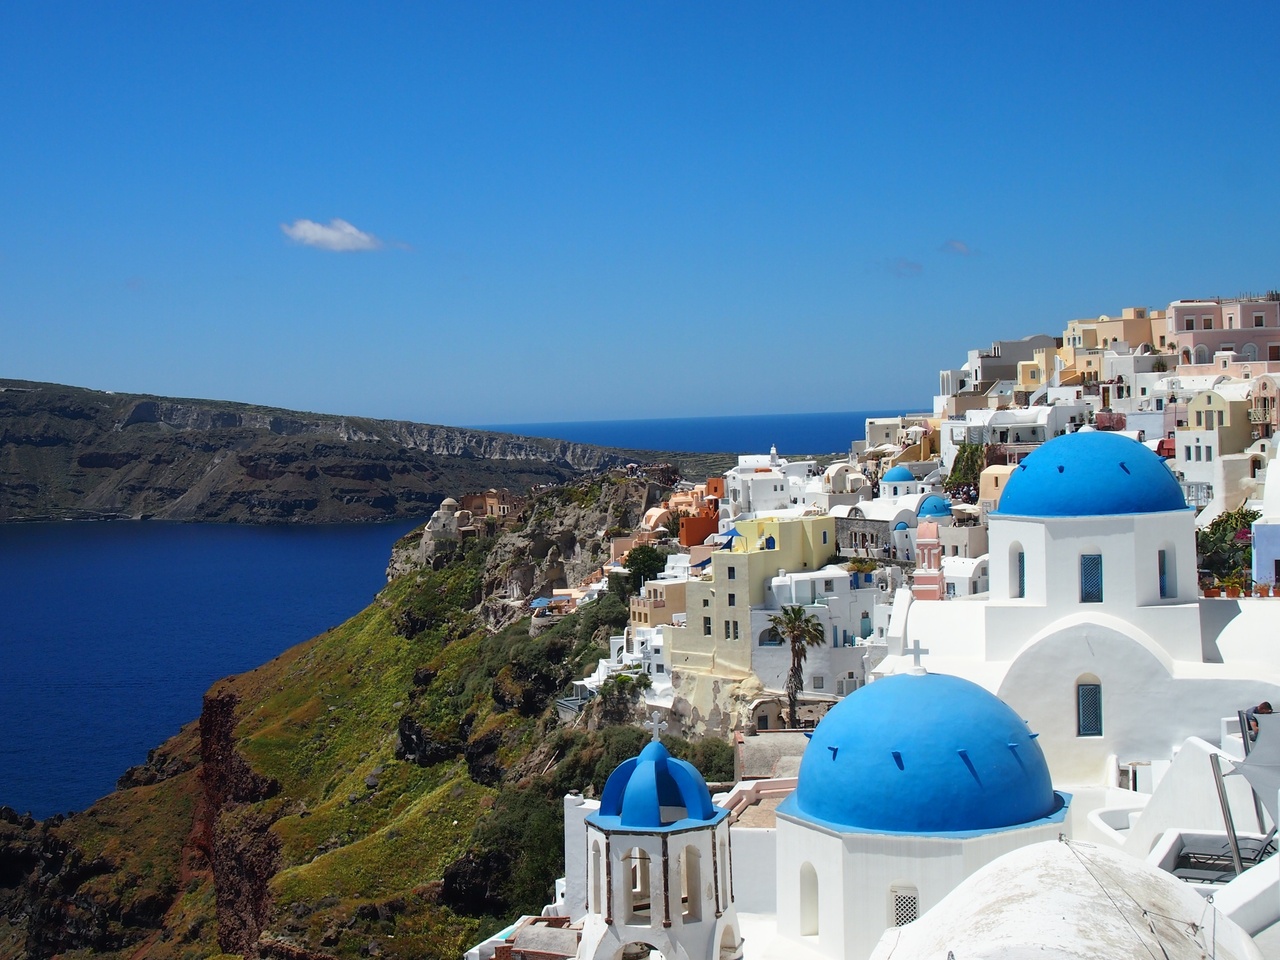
(66, 452)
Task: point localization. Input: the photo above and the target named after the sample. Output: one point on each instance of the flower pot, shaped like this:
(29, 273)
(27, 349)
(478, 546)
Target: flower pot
(1212, 591)
(1264, 589)
(1233, 591)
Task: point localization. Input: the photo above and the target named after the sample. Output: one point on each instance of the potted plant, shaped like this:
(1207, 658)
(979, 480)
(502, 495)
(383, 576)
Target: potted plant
(1262, 588)
(1210, 588)
(1233, 583)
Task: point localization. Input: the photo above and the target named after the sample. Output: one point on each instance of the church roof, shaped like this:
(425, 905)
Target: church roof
(923, 754)
(898, 474)
(655, 792)
(1090, 474)
(934, 506)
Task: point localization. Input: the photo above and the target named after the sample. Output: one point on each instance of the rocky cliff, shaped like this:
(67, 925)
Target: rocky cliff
(67, 452)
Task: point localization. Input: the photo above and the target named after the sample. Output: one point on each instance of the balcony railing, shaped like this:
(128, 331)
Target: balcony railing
(1258, 415)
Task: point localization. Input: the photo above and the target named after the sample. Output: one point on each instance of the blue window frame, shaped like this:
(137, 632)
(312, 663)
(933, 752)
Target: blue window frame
(1091, 578)
(1089, 709)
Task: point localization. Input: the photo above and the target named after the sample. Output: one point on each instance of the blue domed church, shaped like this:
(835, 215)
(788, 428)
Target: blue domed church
(1093, 598)
(907, 786)
(659, 876)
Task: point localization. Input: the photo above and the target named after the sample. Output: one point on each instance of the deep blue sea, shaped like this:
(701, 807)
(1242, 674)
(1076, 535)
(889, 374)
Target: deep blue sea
(792, 433)
(110, 633)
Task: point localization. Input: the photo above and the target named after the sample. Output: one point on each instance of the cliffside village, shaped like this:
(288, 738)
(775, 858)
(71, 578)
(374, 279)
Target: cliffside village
(1027, 705)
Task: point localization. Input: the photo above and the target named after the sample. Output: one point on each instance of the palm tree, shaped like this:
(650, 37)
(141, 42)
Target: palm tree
(801, 630)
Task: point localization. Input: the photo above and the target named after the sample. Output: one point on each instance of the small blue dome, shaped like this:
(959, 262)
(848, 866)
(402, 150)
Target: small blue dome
(934, 506)
(655, 791)
(901, 525)
(922, 754)
(897, 475)
(1091, 474)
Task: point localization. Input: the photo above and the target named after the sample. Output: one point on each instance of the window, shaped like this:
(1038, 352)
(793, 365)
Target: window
(1019, 572)
(1199, 418)
(951, 589)
(735, 629)
(706, 601)
(726, 630)
(818, 683)
(1208, 454)
(828, 586)
(1222, 416)
(733, 573)
(1168, 587)
(733, 599)
(824, 536)
(659, 668)
(706, 626)
(1088, 709)
(904, 904)
(1091, 578)
(1206, 323)
(1159, 403)
(1187, 456)
(1258, 320)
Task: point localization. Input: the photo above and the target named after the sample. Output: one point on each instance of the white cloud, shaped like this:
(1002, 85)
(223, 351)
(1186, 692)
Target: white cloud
(336, 235)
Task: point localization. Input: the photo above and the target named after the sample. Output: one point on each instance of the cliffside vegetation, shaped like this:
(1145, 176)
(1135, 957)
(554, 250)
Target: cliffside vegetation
(390, 788)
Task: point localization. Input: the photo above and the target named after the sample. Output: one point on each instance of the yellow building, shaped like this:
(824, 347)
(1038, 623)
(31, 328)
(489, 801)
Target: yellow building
(716, 638)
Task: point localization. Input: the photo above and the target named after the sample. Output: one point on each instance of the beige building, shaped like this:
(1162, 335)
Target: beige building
(716, 638)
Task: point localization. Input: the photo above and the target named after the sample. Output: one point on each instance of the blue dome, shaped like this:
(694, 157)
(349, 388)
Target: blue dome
(897, 475)
(655, 791)
(922, 754)
(934, 506)
(1091, 474)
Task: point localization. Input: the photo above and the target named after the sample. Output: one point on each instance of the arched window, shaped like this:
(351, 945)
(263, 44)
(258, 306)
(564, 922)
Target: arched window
(637, 889)
(596, 905)
(904, 904)
(691, 884)
(808, 900)
(1249, 352)
(1088, 706)
(1168, 572)
(1202, 354)
(1017, 571)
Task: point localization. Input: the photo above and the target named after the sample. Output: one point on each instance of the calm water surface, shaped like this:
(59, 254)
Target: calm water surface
(110, 633)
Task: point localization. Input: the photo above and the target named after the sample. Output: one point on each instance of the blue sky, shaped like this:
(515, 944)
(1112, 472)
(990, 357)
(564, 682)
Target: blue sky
(594, 211)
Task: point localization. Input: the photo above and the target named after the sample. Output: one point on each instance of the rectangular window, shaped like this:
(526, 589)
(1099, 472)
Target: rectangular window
(824, 536)
(1022, 574)
(951, 589)
(1162, 560)
(1159, 403)
(1207, 323)
(1222, 417)
(1208, 454)
(733, 599)
(1199, 418)
(733, 573)
(818, 682)
(726, 630)
(706, 601)
(735, 629)
(706, 626)
(828, 586)
(1198, 453)
(1257, 320)
(659, 668)
(1089, 709)
(1091, 578)
(1187, 456)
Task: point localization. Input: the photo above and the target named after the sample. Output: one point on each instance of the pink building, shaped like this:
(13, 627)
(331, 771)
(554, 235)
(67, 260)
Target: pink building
(1249, 327)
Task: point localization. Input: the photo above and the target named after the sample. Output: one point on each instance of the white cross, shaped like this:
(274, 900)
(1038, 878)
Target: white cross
(657, 724)
(916, 653)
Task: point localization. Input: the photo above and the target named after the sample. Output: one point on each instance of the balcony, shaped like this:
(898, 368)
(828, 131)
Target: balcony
(1259, 415)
